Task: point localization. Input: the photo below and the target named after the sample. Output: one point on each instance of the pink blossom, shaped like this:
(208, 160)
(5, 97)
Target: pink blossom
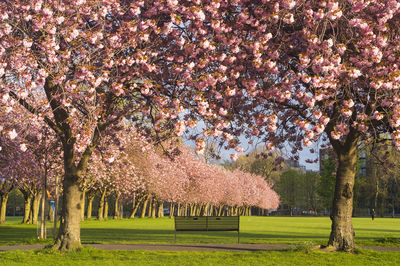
(348, 103)
(234, 156)
(307, 142)
(347, 112)
(180, 128)
(239, 149)
(377, 115)
(23, 147)
(223, 112)
(12, 134)
(270, 146)
(335, 135)
(324, 120)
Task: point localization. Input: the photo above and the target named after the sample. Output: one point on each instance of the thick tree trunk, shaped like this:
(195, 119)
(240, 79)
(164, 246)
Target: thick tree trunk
(69, 234)
(3, 208)
(83, 205)
(342, 232)
(89, 208)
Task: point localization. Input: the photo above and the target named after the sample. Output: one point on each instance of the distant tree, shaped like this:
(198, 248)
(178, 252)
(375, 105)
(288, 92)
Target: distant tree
(288, 188)
(256, 163)
(327, 185)
(310, 182)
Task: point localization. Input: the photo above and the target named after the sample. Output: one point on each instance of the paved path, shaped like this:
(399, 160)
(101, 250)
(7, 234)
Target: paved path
(204, 247)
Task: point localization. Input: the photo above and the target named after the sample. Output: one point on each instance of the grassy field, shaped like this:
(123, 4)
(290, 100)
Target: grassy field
(90, 256)
(293, 230)
(303, 232)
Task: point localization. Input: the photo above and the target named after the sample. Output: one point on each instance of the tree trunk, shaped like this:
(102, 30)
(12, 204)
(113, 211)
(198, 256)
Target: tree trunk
(149, 209)
(136, 206)
(35, 207)
(171, 209)
(160, 209)
(83, 205)
(100, 213)
(121, 211)
(69, 234)
(219, 210)
(116, 207)
(144, 207)
(27, 206)
(342, 232)
(191, 209)
(3, 208)
(89, 207)
(153, 208)
(105, 208)
(204, 211)
(43, 234)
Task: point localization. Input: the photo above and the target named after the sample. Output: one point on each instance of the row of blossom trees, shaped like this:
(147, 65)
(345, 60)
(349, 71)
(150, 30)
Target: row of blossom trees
(127, 168)
(184, 180)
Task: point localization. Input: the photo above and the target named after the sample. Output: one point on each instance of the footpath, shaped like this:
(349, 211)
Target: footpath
(205, 247)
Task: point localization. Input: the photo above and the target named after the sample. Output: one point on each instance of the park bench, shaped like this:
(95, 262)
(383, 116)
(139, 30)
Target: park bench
(207, 223)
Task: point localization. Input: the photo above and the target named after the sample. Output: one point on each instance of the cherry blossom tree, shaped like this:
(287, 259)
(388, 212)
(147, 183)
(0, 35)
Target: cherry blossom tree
(293, 72)
(86, 64)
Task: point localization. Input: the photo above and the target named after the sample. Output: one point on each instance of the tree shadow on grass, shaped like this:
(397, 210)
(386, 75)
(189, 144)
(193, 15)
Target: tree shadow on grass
(103, 235)
(11, 235)
(377, 230)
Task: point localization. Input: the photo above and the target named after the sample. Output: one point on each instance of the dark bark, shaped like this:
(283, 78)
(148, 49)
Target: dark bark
(342, 232)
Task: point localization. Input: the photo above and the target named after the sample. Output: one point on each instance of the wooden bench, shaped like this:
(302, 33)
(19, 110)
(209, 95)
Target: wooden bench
(207, 223)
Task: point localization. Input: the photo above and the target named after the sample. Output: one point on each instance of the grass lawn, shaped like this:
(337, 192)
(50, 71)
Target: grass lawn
(301, 231)
(293, 230)
(90, 256)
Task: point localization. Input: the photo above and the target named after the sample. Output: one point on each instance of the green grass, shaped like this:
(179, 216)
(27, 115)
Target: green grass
(293, 230)
(90, 256)
(301, 231)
